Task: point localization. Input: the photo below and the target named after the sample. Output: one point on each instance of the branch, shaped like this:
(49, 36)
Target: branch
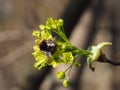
(113, 63)
(103, 59)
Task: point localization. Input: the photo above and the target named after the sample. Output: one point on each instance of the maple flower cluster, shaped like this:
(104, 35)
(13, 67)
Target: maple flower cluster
(48, 50)
(53, 48)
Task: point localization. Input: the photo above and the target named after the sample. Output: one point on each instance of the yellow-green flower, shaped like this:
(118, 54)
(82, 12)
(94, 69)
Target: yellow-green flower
(54, 64)
(41, 59)
(45, 35)
(39, 56)
(62, 45)
(68, 57)
(36, 33)
(42, 35)
(54, 24)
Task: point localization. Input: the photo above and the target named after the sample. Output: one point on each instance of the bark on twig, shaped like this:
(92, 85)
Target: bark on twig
(103, 59)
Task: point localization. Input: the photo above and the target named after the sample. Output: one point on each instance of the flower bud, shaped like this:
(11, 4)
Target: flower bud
(60, 75)
(65, 83)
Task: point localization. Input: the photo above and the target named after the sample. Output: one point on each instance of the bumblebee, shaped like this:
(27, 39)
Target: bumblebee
(48, 47)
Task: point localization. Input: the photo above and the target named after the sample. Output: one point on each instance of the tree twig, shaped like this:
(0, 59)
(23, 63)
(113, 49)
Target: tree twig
(103, 59)
(113, 63)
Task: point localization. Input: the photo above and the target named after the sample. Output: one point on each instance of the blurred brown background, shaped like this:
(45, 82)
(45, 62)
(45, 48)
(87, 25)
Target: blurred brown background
(86, 22)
